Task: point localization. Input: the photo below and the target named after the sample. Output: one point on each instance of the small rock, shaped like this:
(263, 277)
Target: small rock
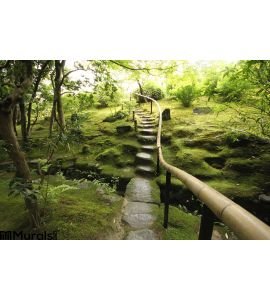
(85, 149)
(264, 198)
(123, 129)
(166, 114)
(117, 116)
(202, 110)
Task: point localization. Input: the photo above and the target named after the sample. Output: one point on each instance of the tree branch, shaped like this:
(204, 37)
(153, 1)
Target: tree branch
(72, 71)
(139, 68)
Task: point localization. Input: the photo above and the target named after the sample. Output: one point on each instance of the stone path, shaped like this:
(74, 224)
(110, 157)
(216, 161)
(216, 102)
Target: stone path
(139, 201)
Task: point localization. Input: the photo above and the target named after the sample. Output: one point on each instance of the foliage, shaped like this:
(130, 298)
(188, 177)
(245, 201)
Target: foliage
(20, 187)
(233, 87)
(153, 90)
(107, 94)
(119, 115)
(210, 89)
(186, 94)
(86, 100)
(186, 74)
(109, 188)
(52, 193)
(79, 101)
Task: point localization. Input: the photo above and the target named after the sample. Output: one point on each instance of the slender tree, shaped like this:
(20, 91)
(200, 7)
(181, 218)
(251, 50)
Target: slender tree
(17, 76)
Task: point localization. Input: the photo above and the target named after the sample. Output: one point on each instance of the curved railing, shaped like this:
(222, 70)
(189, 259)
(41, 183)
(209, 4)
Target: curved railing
(240, 221)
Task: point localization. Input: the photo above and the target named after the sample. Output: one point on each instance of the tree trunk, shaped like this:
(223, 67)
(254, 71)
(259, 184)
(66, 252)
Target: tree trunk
(141, 99)
(60, 112)
(23, 120)
(52, 119)
(8, 134)
(14, 120)
(18, 158)
(29, 114)
(59, 70)
(39, 77)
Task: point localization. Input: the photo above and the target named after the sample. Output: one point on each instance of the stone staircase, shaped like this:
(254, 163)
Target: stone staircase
(139, 201)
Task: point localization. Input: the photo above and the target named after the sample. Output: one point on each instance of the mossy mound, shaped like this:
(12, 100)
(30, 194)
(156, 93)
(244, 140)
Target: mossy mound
(242, 139)
(82, 213)
(192, 161)
(116, 156)
(117, 116)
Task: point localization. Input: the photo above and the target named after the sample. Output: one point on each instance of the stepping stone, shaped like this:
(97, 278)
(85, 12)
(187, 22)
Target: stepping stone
(144, 118)
(147, 125)
(147, 139)
(143, 234)
(145, 170)
(139, 215)
(140, 190)
(148, 148)
(144, 158)
(147, 131)
(147, 122)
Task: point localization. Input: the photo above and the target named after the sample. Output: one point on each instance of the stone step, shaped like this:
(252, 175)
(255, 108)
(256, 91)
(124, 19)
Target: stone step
(146, 118)
(147, 131)
(147, 139)
(139, 189)
(144, 158)
(145, 170)
(141, 114)
(147, 122)
(139, 215)
(148, 125)
(142, 234)
(148, 148)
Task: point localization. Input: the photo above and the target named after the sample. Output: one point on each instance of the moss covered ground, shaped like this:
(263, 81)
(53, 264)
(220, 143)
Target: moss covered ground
(89, 211)
(210, 147)
(81, 213)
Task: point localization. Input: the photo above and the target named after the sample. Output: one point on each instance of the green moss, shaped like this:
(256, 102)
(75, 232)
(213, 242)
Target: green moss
(192, 161)
(13, 215)
(109, 154)
(109, 170)
(181, 225)
(240, 189)
(155, 191)
(84, 213)
(183, 131)
(116, 156)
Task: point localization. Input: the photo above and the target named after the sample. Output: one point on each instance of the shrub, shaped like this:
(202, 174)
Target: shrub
(152, 90)
(116, 116)
(186, 95)
(232, 91)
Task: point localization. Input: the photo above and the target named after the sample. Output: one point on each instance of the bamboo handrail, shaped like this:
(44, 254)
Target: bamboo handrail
(244, 224)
